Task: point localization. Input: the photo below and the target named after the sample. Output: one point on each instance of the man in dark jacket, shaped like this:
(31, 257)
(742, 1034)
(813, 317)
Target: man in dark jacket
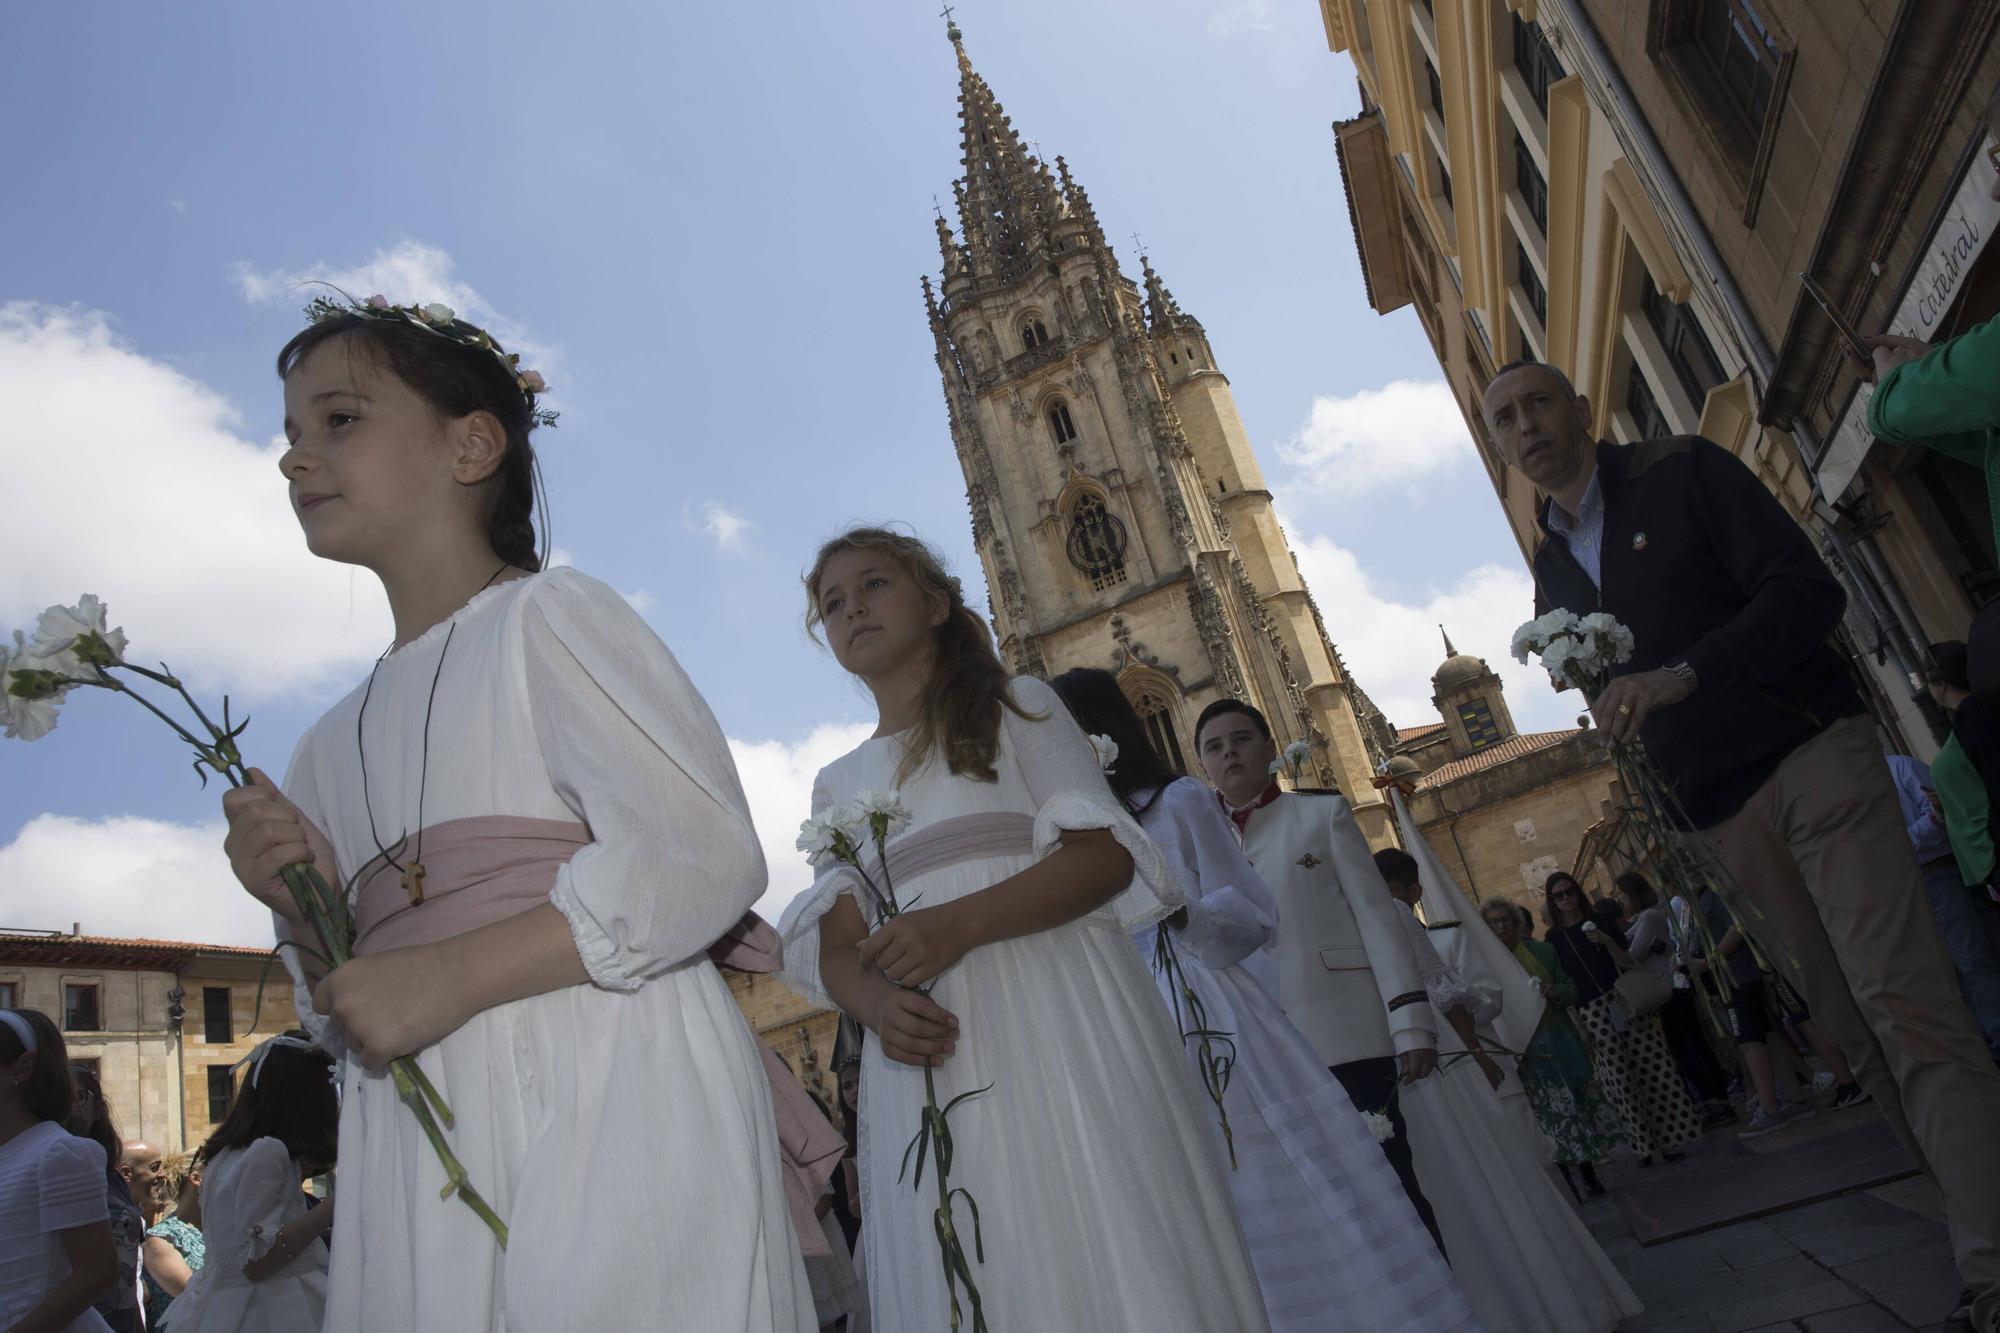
(1751, 714)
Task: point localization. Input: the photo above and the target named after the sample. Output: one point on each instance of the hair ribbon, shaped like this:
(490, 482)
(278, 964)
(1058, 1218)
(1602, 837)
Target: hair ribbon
(257, 1057)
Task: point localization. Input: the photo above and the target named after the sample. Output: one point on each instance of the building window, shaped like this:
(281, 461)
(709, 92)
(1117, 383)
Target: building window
(1033, 334)
(1480, 729)
(1688, 350)
(1531, 284)
(1644, 406)
(1444, 183)
(1097, 543)
(1528, 180)
(221, 1091)
(1741, 52)
(1157, 715)
(80, 1008)
(216, 1029)
(1538, 65)
(1060, 424)
(1436, 87)
(10, 995)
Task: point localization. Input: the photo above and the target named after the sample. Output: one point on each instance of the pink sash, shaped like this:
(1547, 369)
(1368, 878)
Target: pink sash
(487, 868)
(962, 838)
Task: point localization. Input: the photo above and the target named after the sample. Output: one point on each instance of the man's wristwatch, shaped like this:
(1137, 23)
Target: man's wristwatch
(1682, 668)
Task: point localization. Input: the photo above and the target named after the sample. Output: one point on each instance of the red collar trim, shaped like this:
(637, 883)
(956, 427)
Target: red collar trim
(1241, 818)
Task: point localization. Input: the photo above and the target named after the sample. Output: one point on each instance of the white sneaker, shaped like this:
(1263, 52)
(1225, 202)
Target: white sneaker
(1822, 1083)
(1762, 1122)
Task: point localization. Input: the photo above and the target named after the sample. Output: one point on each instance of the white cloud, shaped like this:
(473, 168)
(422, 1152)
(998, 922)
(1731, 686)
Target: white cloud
(777, 780)
(1242, 16)
(1403, 433)
(1392, 647)
(127, 877)
(178, 205)
(408, 273)
(136, 483)
(727, 528)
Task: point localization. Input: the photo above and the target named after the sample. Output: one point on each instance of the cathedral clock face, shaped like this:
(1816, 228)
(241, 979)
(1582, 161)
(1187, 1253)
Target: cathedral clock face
(1097, 540)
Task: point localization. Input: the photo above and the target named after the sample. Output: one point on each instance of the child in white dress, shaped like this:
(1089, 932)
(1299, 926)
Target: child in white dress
(1099, 1189)
(58, 1254)
(1330, 1229)
(265, 1265)
(553, 837)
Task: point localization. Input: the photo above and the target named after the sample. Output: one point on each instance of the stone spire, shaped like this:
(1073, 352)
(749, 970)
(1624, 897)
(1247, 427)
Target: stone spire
(1162, 312)
(1007, 201)
(1449, 651)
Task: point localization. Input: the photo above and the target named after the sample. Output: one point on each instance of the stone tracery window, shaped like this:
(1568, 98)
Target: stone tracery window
(1156, 715)
(1033, 334)
(1060, 424)
(1096, 544)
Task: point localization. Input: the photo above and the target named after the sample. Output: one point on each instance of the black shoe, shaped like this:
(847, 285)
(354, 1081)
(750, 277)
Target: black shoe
(1846, 1095)
(1646, 1161)
(1670, 1155)
(1591, 1184)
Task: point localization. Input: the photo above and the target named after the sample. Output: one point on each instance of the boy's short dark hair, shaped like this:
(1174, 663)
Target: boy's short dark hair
(1223, 706)
(1398, 867)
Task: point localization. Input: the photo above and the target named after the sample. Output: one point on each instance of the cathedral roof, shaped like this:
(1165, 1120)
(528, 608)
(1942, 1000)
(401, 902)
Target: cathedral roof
(1514, 747)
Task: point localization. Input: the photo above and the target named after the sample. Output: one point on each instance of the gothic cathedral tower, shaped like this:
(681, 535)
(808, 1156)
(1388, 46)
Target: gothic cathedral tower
(1119, 513)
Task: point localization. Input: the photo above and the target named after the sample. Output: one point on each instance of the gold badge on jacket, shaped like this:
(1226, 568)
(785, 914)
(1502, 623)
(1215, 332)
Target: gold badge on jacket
(1308, 861)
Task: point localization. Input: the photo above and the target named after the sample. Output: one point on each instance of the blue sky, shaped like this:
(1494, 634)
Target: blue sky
(706, 224)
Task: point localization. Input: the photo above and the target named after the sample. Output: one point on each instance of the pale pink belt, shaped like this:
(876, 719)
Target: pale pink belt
(963, 838)
(487, 868)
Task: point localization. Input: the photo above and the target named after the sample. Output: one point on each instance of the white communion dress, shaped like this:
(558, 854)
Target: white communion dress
(1098, 1180)
(50, 1182)
(246, 1195)
(1334, 1239)
(623, 1128)
(1522, 1254)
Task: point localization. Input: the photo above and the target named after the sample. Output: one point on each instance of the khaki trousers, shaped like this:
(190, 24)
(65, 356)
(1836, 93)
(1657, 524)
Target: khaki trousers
(1824, 872)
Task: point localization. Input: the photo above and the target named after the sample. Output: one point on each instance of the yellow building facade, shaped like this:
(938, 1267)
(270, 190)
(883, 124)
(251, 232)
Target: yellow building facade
(162, 1022)
(1118, 508)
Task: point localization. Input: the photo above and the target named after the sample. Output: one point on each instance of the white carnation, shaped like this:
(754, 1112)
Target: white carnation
(1298, 753)
(885, 805)
(816, 840)
(1107, 751)
(1381, 1126)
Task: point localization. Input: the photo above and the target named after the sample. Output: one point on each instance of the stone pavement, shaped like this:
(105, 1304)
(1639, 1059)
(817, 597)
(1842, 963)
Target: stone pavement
(1872, 1260)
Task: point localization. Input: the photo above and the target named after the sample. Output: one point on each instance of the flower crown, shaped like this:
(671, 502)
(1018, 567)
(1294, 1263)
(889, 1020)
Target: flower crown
(444, 322)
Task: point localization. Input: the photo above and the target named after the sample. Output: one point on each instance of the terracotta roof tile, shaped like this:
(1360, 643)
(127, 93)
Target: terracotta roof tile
(60, 942)
(1406, 734)
(1512, 748)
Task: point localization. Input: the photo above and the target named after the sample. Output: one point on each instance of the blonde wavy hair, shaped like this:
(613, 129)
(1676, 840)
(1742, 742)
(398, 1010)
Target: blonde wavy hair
(959, 714)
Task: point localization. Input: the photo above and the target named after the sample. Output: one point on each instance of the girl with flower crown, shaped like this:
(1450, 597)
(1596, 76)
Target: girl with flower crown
(265, 1265)
(1081, 1139)
(545, 836)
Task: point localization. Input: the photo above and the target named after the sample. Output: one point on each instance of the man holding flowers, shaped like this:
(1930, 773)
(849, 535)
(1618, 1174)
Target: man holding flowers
(1743, 703)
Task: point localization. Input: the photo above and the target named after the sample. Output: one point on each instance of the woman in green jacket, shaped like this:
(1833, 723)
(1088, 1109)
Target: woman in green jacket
(1555, 1070)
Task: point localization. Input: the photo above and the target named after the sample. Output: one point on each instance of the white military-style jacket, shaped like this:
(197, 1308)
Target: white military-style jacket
(1346, 975)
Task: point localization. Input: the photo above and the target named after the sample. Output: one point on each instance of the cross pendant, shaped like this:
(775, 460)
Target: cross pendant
(413, 882)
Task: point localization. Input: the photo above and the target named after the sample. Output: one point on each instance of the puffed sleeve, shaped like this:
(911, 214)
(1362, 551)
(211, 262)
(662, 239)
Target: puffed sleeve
(1231, 912)
(301, 788)
(1066, 783)
(259, 1196)
(70, 1184)
(632, 749)
(1442, 982)
(798, 927)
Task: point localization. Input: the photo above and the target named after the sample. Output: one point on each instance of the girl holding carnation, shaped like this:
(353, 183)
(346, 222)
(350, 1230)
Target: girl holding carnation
(549, 835)
(265, 1257)
(59, 1255)
(1009, 975)
(1329, 1226)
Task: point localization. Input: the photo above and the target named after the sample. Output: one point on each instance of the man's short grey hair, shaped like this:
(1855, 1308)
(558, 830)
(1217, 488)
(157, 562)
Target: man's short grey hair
(1525, 363)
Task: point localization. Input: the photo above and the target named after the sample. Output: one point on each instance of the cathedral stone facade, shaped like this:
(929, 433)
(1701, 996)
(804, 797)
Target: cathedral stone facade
(1119, 512)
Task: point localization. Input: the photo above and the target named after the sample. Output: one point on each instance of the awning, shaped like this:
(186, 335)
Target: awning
(1374, 209)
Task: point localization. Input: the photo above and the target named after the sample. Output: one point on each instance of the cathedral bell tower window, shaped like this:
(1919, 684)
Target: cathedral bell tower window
(1033, 334)
(1097, 543)
(1060, 424)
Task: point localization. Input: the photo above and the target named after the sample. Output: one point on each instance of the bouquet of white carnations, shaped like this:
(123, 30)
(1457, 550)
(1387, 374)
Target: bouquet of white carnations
(839, 835)
(72, 648)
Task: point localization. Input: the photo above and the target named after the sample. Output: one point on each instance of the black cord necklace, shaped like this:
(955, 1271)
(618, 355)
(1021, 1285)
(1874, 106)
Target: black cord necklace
(413, 873)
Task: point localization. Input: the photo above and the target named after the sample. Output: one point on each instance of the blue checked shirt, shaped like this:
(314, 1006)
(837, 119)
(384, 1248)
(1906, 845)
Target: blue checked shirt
(1584, 534)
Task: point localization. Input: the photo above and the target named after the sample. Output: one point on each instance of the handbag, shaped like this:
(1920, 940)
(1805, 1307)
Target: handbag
(1642, 992)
